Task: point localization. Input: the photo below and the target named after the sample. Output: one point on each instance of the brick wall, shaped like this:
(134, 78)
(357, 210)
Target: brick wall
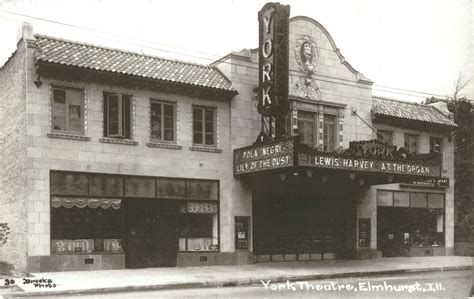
(13, 192)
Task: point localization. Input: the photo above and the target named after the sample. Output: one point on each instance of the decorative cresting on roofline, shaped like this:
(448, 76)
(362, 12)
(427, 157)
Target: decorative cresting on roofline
(360, 77)
(80, 56)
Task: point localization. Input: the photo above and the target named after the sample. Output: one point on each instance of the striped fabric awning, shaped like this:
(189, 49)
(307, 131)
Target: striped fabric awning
(70, 202)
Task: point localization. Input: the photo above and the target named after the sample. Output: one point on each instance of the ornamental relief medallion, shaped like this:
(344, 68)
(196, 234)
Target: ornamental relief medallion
(306, 54)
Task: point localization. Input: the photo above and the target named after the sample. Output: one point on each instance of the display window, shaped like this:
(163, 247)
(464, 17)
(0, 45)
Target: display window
(88, 211)
(198, 226)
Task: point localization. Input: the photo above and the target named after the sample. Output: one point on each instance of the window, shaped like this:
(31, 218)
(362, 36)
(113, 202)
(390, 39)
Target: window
(117, 115)
(85, 229)
(68, 110)
(436, 144)
(162, 121)
(306, 127)
(198, 217)
(411, 143)
(197, 226)
(418, 199)
(204, 126)
(329, 132)
(385, 136)
(384, 198)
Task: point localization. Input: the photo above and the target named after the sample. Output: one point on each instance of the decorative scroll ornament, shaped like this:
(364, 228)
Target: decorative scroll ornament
(68, 202)
(307, 54)
(306, 88)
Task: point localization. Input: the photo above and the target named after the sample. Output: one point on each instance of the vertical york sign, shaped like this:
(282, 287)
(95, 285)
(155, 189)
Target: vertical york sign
(273, 60)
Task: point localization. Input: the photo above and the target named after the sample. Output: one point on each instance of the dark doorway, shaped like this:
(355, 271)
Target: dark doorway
(301, 224)
(150, 233)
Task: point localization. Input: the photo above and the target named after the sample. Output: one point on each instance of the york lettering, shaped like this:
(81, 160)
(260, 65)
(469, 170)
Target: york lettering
(266, 100)
(266, 22)
(267, 68)
(267, 48)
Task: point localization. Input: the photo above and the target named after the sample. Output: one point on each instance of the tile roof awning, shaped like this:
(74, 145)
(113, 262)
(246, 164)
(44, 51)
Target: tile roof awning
(395, 110)
(59, 52)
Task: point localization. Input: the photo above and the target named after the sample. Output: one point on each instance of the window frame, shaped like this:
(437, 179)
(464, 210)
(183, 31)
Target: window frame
(121, 126)
(409, 135)
(441, 144)
(88, 192)
(204, 108)
(335, 132)
(307, 120)
(82, 105)
(381, 132)
(187, 231)
(162, 117)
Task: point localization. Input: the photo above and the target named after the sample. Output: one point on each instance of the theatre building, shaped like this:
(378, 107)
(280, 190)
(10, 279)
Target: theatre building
(114, 160)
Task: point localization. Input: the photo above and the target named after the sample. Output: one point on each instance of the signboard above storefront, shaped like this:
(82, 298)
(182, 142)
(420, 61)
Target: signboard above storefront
(437, 182)
(361, 158)
(264, 157)
(368, 165)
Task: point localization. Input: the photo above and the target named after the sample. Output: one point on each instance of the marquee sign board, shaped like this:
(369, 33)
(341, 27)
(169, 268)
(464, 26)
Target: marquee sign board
(438, 182)
(273, 21)
(320, 160)
(274, 155)
(363, 156)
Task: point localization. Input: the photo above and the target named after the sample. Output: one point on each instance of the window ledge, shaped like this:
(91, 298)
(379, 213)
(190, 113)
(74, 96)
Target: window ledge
(68, 136)
(164, 145)
(205, 149)
(118, 141)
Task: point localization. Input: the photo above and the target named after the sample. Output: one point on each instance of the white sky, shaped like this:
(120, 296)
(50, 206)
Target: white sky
(419, 45)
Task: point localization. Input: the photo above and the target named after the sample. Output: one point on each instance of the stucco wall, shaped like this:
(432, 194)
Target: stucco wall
(45, 153)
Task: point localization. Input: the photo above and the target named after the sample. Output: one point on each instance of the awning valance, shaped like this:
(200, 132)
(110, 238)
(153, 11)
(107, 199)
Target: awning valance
(199, 208)
(70, 202)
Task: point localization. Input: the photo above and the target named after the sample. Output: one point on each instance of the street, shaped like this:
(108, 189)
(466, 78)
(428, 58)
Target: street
(452, 284)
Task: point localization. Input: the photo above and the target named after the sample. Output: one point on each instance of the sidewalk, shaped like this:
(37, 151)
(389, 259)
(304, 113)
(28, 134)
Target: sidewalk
(76, 282)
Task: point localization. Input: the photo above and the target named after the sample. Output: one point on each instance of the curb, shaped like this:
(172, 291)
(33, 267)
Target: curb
(231, 283)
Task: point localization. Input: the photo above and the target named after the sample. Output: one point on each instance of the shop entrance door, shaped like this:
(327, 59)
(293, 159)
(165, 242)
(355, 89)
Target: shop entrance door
(150, 233)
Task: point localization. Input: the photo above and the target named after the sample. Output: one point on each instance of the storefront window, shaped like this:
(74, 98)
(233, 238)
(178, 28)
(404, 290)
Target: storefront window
(415, 220)
(88, 210)
(69, 183)
(197, 226)
(105, 185)
(206, 190)
(384, 198)
(140, 187)
(436, 201)
(418, 200)
(86, 225)
(401, 199)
